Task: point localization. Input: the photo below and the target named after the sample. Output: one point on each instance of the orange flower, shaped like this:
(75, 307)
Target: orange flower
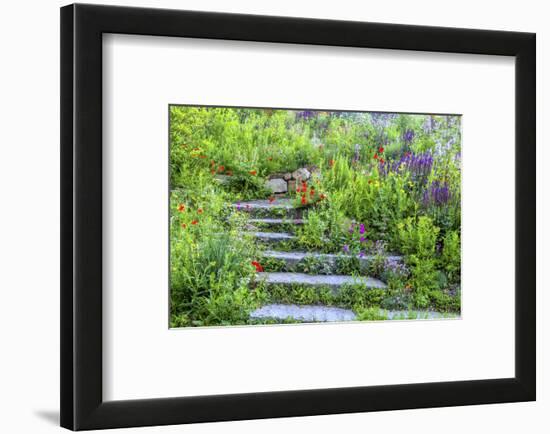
(194, 222)
(221, 169)
(183, 225)
(257, 266)
(181, 207)
(253, 172)
(213, 172)
(212, 163)
(323, 196)
(331, 163)
(200, 211)
(271, 199)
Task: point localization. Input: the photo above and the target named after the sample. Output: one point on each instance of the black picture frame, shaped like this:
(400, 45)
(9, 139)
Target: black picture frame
(82, 405)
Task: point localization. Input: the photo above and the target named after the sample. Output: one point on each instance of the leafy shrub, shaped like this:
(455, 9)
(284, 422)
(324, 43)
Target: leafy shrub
(312, 233)
(313, 265)
(450, 256)
(371, 314)
(417, 236)
(350, 265)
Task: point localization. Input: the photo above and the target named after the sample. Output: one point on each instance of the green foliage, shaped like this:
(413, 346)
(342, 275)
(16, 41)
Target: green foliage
(313, 265)
(348, 265)
(220, 156)
(445, 302)
(371, 314)
(450, 256)
(312, 233)
(417, 236)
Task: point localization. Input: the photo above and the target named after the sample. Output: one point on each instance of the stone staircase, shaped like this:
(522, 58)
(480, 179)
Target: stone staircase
(276, 222)
(273, 223)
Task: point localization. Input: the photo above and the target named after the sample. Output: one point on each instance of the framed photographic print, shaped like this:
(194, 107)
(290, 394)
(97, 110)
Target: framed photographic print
(268, 217)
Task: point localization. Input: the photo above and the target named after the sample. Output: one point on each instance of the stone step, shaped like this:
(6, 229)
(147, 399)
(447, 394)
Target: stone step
(281, 207)
(293, 258)
(318, 313)
(307, 313)
(275, 222)
(330, 281)
(271, 237)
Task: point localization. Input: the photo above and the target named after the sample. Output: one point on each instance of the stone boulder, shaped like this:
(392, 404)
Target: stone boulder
(301, 174)
(222, 179)
(277, 185)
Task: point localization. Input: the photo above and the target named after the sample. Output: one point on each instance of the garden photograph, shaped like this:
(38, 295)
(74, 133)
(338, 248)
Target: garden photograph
(283, 216)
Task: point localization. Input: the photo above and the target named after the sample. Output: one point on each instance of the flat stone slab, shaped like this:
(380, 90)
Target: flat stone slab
(272, 236)
(317, 313)
(331, 281)
(294, 258)
(308, 313)
(282, 203)
(274, 222)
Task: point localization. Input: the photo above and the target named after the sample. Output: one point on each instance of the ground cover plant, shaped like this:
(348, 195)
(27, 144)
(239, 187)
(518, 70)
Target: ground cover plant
(284, 216)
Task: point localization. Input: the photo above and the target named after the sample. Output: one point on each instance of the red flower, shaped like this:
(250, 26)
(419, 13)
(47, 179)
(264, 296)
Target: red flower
(380, 149)
(194, 222)
(331, 163)
(183, 225)
(253, 172)
(229, 173)
(213, 172)
(323, 196)
(271, 199)
(382, 161)
(202, 156)
(312, 192)
(304, 201)
(269, 158)
(181, 207)
(257, 266)
(200, 211)
(375, 156)
(221, 169)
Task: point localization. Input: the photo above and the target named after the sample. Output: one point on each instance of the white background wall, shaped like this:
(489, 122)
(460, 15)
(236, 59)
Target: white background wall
(29, 228)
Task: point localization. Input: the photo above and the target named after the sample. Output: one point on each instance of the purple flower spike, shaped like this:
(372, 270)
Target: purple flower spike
(238, 206)
(362, 229)
(345, 248)
(363, 239)
(361, 254)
